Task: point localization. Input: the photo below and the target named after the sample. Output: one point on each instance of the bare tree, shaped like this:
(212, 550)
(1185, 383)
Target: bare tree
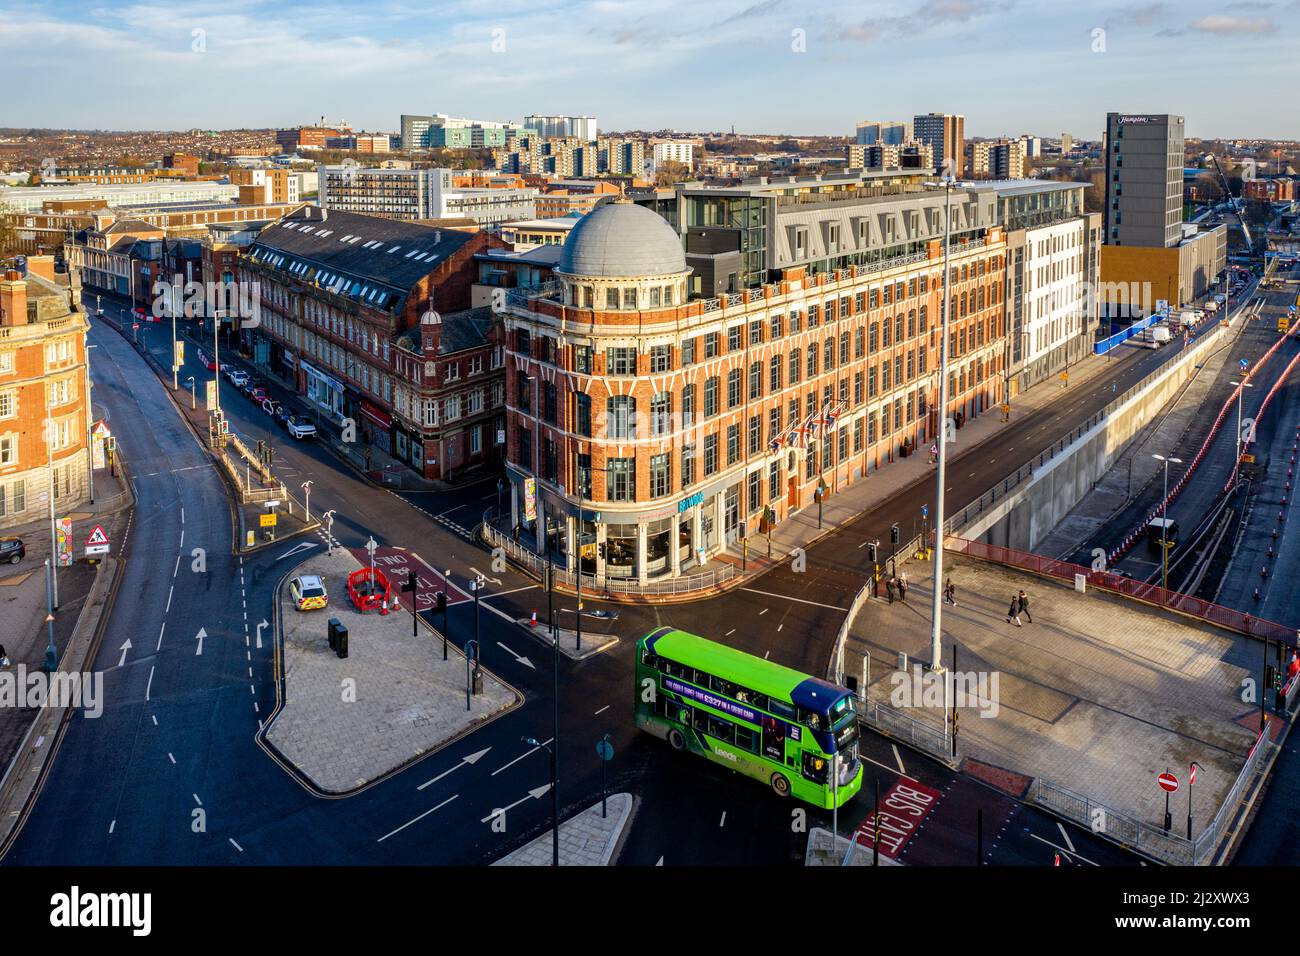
(670, 171)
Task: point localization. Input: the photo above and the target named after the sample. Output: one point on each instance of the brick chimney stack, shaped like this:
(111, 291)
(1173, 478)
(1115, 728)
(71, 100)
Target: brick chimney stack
(13, 299)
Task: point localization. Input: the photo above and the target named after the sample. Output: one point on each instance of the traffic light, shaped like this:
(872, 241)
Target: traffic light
(894, 535)
(873, 554)
(600, 550)
(442, 601)
(409, 586)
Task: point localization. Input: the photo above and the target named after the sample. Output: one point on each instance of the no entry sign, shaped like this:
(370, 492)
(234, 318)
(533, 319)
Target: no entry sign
(1168, 782)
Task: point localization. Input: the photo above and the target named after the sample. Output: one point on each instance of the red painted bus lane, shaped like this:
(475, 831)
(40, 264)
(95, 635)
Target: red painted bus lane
(902, 811)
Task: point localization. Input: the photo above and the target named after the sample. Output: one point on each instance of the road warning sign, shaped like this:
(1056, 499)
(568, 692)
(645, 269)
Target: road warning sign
(97, 543)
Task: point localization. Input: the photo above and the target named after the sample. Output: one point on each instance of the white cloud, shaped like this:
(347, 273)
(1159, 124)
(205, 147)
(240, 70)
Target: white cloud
(1221, 23)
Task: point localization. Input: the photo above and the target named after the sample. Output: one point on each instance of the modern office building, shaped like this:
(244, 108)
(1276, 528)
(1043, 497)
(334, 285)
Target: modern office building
(414, 194)
(369, 319)
(1053, 263)
(43, 394)
(661, 428)
(563, 127)
(438, 130)
(945, 133)
(1144, 179)
(883, 133)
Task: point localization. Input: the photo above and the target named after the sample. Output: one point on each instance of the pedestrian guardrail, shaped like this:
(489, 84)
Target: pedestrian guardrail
(903, 727)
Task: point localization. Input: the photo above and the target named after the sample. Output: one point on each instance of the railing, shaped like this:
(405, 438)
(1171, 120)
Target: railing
(609, 587)
(917, 734)
(1207, 611)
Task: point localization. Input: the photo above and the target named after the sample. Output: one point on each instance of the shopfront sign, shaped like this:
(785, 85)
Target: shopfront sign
(530, 499)
(686, 504)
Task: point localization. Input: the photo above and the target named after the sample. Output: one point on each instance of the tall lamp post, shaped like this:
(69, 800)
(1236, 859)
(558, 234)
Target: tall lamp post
(1164, 531)
(90, 430)
(328, 518)
(193, 401)
(936, 601)
(306, 500)
(550, 749)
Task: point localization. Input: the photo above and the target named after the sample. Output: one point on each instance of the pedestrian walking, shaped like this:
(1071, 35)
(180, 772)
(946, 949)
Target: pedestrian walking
(1013, 612)
(902, 587)
(1022, 602)
(950, 593)
(890, 587)
(4, 658)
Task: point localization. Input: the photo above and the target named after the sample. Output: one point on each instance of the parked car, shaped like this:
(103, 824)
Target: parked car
(308, 592)
(283, 417)
(12, 550)
(258, 394)
(249, 386)
(300, 428)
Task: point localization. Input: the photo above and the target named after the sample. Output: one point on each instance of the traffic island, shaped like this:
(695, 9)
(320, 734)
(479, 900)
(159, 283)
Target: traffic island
(342, 724)
(819, 852)
(592, 644)
(586, 839)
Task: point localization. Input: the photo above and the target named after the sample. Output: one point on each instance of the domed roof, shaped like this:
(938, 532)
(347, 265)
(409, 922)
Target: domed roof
(622, 240)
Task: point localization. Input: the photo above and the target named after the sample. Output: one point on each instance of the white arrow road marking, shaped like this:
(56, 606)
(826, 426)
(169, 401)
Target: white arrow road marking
(471, 759)
(305, 546)
(199, 637)
(126, 646)
(480, 574)
(261, 624)
(522, 660)
(534, 794)
(418, 819)
(527, 753)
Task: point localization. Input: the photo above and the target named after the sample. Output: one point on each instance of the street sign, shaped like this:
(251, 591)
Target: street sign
(64, 527)
(1168, 782)
(925, 511)
(1243, 364)
(604, 749)
(1191, 777)
(210, 393)
(179, 359)
(267, 520)
(97, 544)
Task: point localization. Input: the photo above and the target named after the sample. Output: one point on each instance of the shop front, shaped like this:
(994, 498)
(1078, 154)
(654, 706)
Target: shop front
(325, 391)
(377, 426)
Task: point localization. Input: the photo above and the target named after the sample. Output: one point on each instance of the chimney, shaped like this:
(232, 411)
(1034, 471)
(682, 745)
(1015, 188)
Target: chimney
(13, 299)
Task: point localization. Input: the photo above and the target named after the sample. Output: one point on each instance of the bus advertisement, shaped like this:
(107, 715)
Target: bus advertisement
(769, 722)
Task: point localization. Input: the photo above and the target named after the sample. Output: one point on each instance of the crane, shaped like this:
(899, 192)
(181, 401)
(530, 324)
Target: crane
(1245, 230)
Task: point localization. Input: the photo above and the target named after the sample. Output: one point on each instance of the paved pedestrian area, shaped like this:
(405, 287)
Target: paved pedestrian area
(344, 723)
(586, 839)
(1098, 694)
(819, 852)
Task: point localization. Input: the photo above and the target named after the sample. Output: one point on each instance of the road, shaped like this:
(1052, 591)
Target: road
(116, 796)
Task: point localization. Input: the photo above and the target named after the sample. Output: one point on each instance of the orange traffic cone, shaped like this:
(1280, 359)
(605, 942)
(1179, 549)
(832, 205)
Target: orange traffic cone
(533, 622)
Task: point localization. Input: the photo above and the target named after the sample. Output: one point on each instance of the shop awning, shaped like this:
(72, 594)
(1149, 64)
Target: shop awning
(375, 415)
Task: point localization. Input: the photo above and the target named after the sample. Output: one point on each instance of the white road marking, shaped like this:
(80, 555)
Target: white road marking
(178, 565)
(112, 825)
(196, 799)
(1062, 849)
(171, 590)
(1065, 836)
(534, 794)
(730, 632)
(765, 653)
(160, 636)
(418, 819)
(762, 612)
(252, 690)
(170, 757)
(236, 845)
(601, 711)
(155, 719)
(786, 597)
(150, 684)
(182, 537)
(898, 759)
(723, 821)
(520, 757)
(778, 628)
(468, 760)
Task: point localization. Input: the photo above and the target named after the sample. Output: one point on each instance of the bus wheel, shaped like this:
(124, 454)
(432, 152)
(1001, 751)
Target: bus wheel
(676, 740)
(781, 785)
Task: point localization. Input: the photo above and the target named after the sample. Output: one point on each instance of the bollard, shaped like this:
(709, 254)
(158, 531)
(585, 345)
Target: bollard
(1256, 595)
(1275, 534)
(1263, 572)
(1270, 552)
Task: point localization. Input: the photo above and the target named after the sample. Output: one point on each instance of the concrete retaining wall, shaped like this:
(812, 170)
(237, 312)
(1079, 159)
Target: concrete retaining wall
(1029, 514)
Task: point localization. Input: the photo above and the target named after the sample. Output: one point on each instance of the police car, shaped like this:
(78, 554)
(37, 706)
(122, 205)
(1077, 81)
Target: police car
(308, 592)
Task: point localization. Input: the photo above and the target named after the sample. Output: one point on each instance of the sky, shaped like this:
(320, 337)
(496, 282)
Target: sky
(802, 67)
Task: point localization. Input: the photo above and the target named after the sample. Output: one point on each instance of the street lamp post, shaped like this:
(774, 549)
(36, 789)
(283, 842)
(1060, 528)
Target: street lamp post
(193, 401)
(49, 493)
(936, 601)
(329, 531)
(1164, 531)
(90, 431)
(551, 749)
(51, 652)
(306, 499)
(471, 655)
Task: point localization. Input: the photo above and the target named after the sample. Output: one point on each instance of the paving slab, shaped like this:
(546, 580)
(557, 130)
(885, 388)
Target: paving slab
(344, 723)
(586, 839)
(1099, 694)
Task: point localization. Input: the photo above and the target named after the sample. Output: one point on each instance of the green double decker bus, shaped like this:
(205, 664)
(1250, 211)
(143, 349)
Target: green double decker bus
(769, 722)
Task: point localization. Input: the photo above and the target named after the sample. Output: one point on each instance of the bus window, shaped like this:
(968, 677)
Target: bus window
(746, 739)
(724, 687)
(841, 710)
(782, 709)
(811, 719)
(723, 730)
(815, 767)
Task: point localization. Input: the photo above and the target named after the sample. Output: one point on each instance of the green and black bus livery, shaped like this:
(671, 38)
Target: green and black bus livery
(750, 715)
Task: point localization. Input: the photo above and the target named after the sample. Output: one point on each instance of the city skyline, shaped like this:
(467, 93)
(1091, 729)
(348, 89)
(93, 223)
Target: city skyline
(368, 64)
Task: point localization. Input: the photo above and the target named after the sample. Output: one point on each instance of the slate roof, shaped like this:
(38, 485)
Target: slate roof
(462, 330)
(374, 260)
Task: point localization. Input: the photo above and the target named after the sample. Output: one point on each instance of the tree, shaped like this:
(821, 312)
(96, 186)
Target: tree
(670, 171)
(8, 234)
